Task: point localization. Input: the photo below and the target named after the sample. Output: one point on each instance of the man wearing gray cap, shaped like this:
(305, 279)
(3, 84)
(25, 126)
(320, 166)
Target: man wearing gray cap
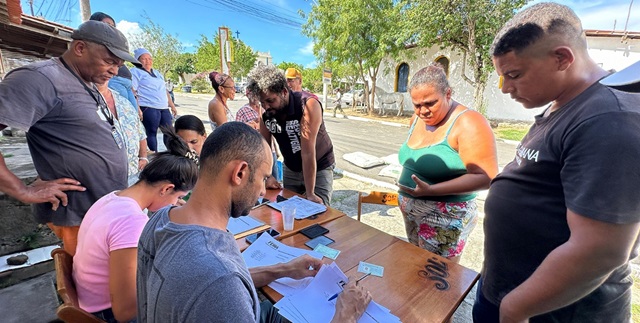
(77, 150)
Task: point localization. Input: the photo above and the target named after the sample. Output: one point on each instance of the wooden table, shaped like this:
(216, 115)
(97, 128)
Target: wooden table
(417, 285)
(273, 217)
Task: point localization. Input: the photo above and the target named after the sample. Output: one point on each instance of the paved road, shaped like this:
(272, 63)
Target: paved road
(348, 135)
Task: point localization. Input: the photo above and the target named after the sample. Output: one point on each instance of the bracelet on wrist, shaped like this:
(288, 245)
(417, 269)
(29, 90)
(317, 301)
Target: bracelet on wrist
(143, 158)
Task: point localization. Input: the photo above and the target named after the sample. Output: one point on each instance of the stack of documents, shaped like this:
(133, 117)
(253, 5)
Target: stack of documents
(312, 304)
(244, 226)
(304, 207)
(266, 251)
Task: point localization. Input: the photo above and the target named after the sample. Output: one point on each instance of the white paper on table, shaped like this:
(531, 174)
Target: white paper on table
(304, 208)
(312, 304)
(288, 286)
(267, 251)
(243, 224)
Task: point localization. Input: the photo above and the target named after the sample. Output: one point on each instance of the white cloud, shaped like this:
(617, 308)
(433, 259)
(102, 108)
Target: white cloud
(307, 49)
(311, 65)
(128, 28)
(188, 45)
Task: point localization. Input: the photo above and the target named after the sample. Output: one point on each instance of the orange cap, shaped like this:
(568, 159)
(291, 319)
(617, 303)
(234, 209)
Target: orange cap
(292, 73)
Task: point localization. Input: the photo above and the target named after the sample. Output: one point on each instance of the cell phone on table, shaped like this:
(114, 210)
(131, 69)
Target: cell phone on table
(319, 240)
(313, 231)
(253, 237)
(260, 202)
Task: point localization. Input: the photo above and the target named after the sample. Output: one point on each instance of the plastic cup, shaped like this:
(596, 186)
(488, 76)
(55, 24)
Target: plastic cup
(288, 215)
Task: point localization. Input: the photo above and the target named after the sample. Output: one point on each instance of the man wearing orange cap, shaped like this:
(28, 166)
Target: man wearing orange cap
(294, 79)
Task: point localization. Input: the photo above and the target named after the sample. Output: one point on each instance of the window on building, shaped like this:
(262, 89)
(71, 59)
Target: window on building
(402, 77)
(444, 61)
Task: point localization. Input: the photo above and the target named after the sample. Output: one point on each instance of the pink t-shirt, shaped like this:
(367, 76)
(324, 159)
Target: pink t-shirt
(112, 223)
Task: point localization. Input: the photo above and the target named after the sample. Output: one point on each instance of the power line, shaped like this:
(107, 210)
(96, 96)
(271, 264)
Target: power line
(38, 11)
(282, 17)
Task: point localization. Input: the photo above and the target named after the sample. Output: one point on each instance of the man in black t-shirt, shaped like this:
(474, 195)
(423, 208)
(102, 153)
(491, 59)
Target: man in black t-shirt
(563, 217)
(294, 119)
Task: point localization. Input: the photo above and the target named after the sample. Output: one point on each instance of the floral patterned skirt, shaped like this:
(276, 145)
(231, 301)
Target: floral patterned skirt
(440, 227)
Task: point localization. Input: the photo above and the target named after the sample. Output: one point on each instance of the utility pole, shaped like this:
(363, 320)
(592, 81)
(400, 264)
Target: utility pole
(31, 6)
(85, 10)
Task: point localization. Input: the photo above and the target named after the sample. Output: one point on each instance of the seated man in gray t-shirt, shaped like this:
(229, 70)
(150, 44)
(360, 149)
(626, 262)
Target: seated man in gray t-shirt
(189, 266)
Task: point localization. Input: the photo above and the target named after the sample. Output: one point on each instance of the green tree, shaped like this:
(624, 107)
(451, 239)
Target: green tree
(348, 74)
(207, 55)
(284, 65)
(356, 32)
(185, 65)
(468, 26)
(244, 58)
(164, 47)
(312, 79)
(200, 83)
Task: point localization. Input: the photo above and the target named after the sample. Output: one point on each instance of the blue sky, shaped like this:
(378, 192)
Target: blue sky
(188, 19)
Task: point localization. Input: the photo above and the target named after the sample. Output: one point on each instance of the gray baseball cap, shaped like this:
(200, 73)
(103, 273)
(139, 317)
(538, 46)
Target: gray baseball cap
(101, 33)
(627, 79)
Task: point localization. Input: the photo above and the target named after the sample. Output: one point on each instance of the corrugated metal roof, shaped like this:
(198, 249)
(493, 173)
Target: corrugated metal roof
(31, 34)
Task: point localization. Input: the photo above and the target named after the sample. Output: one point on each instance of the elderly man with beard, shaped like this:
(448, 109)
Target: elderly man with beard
(189, 266)
(294, 119)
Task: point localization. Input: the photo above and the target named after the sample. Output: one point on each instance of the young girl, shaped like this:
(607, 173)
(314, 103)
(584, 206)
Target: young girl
(191, 129)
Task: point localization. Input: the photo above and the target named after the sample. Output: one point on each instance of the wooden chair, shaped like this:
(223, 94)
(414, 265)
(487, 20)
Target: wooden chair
(69, 311)
(375, 197)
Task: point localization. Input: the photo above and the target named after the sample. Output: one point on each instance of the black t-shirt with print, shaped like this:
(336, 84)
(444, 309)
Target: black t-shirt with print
(287, 134)
(583, 157)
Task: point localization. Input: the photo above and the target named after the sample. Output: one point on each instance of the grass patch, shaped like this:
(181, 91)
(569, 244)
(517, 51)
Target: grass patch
(511, 131)
(635, 298)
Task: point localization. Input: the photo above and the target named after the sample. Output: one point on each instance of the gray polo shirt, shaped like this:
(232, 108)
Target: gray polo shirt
(66, 133)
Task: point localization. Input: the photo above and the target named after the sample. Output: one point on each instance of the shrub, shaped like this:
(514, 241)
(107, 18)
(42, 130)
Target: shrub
(201, 83)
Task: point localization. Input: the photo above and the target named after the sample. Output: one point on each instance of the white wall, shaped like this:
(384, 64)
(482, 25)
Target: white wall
(607, 51)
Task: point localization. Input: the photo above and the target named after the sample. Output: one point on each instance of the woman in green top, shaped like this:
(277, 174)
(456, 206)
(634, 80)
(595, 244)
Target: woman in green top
(449, 155)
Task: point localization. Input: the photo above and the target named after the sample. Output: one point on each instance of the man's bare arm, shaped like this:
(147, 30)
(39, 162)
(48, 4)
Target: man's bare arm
(572, 270)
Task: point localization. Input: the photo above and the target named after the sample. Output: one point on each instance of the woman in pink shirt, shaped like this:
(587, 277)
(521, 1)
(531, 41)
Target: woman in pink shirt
(104, 266)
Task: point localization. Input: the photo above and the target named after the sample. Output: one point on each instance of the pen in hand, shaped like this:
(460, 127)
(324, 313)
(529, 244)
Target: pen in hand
(338, 293)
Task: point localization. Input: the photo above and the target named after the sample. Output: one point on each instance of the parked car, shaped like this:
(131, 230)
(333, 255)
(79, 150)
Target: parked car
(351, 95)
(186, 89)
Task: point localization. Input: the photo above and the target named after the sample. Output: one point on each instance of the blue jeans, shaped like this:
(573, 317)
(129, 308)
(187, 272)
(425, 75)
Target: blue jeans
(324, 182)
(152, 119)
(483, 310)
(107, 316)
(268, 313)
